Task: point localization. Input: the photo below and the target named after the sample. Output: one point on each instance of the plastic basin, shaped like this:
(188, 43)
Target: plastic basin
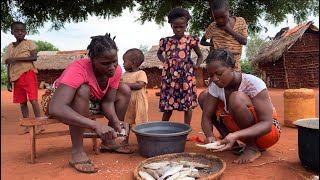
(158, 138)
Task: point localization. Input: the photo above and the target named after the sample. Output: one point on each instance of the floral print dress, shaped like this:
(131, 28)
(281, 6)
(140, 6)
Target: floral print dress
(178, 84)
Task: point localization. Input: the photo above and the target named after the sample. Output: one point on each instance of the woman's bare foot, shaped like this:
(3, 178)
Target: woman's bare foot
(249, 155)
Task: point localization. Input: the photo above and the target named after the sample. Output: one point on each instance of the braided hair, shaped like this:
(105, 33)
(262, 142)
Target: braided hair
(101, 43)
(223, 55)
(218, 4)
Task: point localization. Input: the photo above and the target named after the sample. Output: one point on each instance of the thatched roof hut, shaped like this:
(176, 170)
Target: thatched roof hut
(51, 64)
(153, 66)
(291, 60)
(57, 61)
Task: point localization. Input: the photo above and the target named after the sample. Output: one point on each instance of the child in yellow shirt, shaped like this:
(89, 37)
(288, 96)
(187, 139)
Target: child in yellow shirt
(137, 80)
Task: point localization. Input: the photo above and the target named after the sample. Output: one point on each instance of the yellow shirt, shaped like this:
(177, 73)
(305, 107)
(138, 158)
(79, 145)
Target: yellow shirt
(22, 50)
(222, 39)
(137, 111)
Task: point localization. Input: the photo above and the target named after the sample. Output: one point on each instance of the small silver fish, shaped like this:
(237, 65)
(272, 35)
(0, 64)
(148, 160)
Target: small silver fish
(174, 176)
(186, 178)
(171, 171)
(211, 145)
(156, 165)
(152, 173)
(185, 173)
(194, 174)
(194, 164)
(162, 170)
(194, 170)
(145, 175)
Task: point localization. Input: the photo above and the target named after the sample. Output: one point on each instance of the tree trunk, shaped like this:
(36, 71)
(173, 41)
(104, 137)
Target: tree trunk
(210, 4)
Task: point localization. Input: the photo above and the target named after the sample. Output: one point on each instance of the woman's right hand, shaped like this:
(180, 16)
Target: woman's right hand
(105, 132)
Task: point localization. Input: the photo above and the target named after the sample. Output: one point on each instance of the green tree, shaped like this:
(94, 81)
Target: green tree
(58, 12)
(252, 48)
(3, 74)
(246, 66)
(3, 69)
(253, 44)
(144, 48)
(45, 46)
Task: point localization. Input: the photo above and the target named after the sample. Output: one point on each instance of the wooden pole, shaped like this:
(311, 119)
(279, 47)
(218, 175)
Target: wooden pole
(285, 71)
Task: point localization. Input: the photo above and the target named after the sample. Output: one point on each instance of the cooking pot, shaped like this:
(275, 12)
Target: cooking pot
(308, 142)
(158, 138)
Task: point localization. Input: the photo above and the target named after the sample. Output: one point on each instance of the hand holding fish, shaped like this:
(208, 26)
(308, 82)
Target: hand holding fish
(228, 141)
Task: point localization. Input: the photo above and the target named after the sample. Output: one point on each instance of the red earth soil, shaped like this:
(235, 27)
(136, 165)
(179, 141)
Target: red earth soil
(278, 162)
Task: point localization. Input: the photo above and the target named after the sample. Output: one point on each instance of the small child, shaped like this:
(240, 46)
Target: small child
(136, 79)
(19, 57)
(226, 31)
(178, 85)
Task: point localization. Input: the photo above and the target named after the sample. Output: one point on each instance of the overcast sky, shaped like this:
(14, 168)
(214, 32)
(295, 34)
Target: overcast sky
(129, 33)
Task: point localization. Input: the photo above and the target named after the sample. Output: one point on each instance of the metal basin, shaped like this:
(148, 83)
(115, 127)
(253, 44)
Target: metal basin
(158, 138)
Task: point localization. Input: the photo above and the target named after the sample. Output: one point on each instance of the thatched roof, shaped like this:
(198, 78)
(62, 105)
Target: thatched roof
(151, 60)
(57, 61)
(47, 53)
(272, 50)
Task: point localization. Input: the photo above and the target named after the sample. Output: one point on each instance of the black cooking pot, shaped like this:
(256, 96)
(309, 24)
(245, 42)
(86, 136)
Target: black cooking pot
(308, 142)
(158, 138)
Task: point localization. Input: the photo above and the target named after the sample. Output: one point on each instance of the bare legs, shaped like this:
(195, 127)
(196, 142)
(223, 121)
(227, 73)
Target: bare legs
(25, 114)
(121, 106)
(187, 116)
(80, 104)
(239, 104)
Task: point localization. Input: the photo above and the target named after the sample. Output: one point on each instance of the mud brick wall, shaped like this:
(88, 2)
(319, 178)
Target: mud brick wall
(200, 74)
(301, 64)
(302, 69)
(308, 42)
(154, 77)
(275, 74)
(48, 76)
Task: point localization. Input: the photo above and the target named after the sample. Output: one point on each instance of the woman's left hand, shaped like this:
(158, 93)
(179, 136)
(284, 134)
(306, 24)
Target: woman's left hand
(229, 141)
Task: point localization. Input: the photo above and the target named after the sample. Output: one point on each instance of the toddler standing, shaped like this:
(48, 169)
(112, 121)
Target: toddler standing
(137, 80)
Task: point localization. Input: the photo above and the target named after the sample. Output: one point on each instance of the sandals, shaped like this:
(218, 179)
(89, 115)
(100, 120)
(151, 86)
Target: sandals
(88, 162)
(117, 149)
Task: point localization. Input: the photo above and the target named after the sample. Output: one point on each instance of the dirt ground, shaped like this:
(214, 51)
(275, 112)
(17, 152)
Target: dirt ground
(279, 162)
